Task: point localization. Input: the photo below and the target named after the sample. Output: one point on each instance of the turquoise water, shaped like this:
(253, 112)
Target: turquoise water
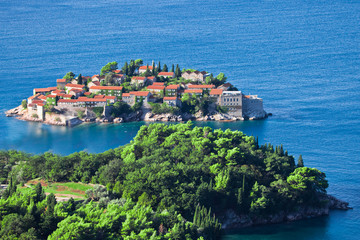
(301, 57)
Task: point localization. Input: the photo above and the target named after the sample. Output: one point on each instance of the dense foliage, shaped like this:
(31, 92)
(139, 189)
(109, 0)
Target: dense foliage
(168, 178)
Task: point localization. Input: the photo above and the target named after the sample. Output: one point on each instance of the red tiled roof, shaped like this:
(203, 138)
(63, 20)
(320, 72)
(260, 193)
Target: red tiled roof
(144, 67)
(76, 90)
(158, 84)
(192, 86)
(48, 89)
(37, 101)
(172, 87)
(246, 96)
(165, 74)
(151, 77)
(216, 91)
(32, 97)
(116, 71)
(67, 95)
(96, 75)
(74, 85)
(169, 98)
(107, 87)
(155, 87)
(99, 96)
(61, 80)
(110, 97)
(87, 93)
(140, 93)
(61, 94)
(96, 83)
(118, 75)
(139, 78)
(193, 91)
(58, 91)
(51, 96)
(67, 101)
(42, 97)
(126, 95)
(91, 100)
(40, 104)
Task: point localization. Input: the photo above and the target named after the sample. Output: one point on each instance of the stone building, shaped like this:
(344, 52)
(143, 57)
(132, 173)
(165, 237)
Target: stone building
(232, 100)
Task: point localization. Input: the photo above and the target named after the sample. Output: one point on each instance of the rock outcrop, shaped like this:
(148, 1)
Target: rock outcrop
(231, 220)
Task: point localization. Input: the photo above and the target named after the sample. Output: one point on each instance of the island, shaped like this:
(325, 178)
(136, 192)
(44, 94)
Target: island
(138, 92)
(172, 181)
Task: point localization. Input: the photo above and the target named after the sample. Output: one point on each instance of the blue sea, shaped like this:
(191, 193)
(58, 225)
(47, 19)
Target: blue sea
(301, 57)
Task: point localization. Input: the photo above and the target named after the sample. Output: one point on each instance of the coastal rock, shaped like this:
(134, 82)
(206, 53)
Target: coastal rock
(118, 120)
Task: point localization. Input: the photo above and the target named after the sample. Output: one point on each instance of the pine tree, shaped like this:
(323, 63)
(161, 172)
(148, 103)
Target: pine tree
(300, 161)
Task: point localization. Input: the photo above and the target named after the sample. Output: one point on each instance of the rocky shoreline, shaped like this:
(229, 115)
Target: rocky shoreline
(231, 220)
(146, 115)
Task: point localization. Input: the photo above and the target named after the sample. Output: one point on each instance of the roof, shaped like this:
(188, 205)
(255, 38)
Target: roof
(96, 83)
(158, 84)
(169, 98)
(99, 96)
(155, 87)
(74, 85)
(140, 93)
(151, 77)
(110, 97)
(139, 78)
(67, 95)
(116, 71)
(75, 90)
(48, 89)
(116, 88)
(172, 87)
(42, 97)
(91, 99)
(61, 80)
(166, 73)
(192, 86)
(51, 96)
(126, 95)
(40, 104)
(145, 67)
(38, 101)
(67, 101)
(58, 91)
(87, 93)
(193, 91)
(32, 97)
(118, 75)
(216, 91)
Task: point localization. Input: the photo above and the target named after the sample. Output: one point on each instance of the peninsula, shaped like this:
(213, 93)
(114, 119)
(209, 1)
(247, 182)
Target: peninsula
(139, 92)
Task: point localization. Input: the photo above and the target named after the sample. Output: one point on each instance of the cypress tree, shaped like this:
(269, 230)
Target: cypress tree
(172, 68)
(165, 68)
(300, 161)
(177, 71)
(79, 80)
(153, 68)
(158, 67)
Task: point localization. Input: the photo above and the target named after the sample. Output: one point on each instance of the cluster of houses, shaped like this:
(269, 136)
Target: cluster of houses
(68, 93)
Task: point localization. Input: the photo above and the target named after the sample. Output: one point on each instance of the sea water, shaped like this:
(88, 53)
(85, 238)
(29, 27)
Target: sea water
(301, 57)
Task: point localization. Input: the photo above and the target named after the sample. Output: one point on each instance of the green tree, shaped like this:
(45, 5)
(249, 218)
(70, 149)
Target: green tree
(69, 76)
(108, 68)
(165, 68)
(79, 79)
(177, 71)
(172, 68)
(24, 104)
(300, 161)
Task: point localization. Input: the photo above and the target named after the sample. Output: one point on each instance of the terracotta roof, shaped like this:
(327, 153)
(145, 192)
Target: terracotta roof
(91, 100)
(61, 80)
(116, 71)
(172, 87)
(40, 104)
(144, 67)
(96, 83)
(67, 95)
(155, 87)
(118, 75)
(51, 96)
(110, 97)
(216, 91)
(37, 101)
(48, 89)
(126, 95)
(169, 98)
(58, 91)
(151, 77)
(107, 87)
(67, 101)
(42, 97)
(139, 78)
(140, 93)
(246, 96)
(74, 85)
(76, 90)
(96, 75)
(165, 74)
(87, 93)
(192, 86)
(99, 96)
(193, 91)
(32, 97)
(158, 84)
(61, 94)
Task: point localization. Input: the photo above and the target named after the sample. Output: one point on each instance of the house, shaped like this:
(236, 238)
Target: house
(58, 92)
(232, 100)
(252, 104)
(76, 92)
(158, 84)
(94, 83)
(60, 83)
(215, 94)
(51, 99)
(129, 99)
(107, 90)
(69, 87)
(119, 78)
(172, 90)
(91, 102)
(44, 91)
(67, 103)
(97, 78)
(156, 89)
(194, 76)
(203, 87)
(144, 95)
(225, 86)
(142, 69)
(197, 92)
(67, 96)
(138, 81)
(172, 101)
(111, 99)
(35, 97)
(166, 74)
(151, 80)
